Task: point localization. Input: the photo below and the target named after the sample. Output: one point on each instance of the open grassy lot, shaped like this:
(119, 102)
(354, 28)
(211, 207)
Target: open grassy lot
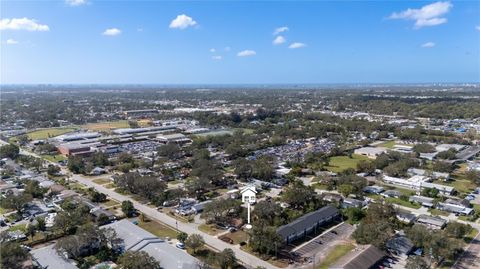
(50, 132)
(469, 237)
(209, 229)
(157, 228)
(238, 237)
(461, 185)
(340, 163)
(106, 126)
(102, 181)
(401, 202)
(110, 203)
(387, 144)
(5, 210)
(54, 158)
(338, 252)
(437, 212)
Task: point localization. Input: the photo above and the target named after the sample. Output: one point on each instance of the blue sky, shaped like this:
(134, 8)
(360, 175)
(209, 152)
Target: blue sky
(89, 41)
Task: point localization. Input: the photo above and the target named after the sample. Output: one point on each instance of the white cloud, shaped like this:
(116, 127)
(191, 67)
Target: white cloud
(217, 57)
(246, 53)
(212, 50)
(429, 15)
(182, 21)
(22, 24)
(279, 40)
(297, 45)
(75, 3)
(280, 30)
(477, 27)
(112, 32)
(227, 49)
(428, 45)
(11, 41)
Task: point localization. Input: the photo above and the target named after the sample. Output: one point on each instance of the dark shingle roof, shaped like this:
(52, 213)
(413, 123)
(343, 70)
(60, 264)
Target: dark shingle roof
(306, 221)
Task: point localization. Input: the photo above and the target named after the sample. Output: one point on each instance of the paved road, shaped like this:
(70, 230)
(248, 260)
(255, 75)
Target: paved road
(190, 228)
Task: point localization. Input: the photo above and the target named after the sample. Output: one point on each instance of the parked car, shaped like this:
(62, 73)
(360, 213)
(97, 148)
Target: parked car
(180, 245)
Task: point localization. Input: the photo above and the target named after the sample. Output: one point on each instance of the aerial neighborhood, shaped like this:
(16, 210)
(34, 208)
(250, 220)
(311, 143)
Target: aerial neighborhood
(208, 179)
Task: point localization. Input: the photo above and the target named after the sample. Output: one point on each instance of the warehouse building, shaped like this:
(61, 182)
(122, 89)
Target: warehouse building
(173, 138)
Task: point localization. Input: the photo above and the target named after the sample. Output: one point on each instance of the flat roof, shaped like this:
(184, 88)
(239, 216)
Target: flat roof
(136, 238)
(48, 257)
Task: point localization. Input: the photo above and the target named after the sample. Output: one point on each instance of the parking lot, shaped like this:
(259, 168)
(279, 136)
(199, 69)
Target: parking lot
(321, 242)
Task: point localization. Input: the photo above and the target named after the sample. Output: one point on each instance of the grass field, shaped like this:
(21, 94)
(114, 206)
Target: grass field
(387, 144)
(338, 252)
(110, 203)
(401, 202)
(54, 158)
(5, 210)
(469, 237)
(340, 163)
(461, 185)
(238, 237)
(50, 132)
(157, 228)
(102, 181)
(106, 126)
(437, 212)
(209, 229)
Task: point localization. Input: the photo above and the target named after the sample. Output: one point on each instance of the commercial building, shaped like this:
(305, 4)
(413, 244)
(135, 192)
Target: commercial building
(306, 224)
(77, 136)
(140, 113)
(173, 138)
(370, 152)
(143, 131)
(72, 149)
(417, 182)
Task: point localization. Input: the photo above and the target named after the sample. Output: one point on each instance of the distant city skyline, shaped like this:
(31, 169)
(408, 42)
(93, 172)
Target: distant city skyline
(235, 42)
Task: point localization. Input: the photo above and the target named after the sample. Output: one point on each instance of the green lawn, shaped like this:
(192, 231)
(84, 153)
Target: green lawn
(209, 229)
(469, 237)
(387, 144)
(102, 181)
(50, 132)
(54, 158)
(157, 228)
(334, 255)
(21, 227)
(437, 212)
(401, 202)
(110, 203)
(340, 163)
(5, 210)
(238, 237)
(106, 126)
(461, 185)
